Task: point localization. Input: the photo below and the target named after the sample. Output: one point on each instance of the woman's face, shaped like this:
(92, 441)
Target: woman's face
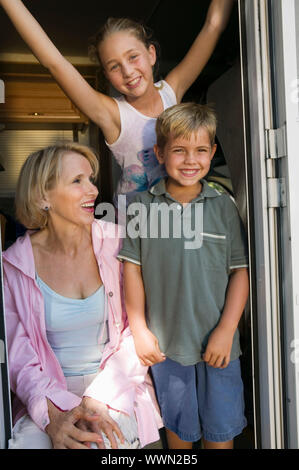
(127, 63)
(72, 200)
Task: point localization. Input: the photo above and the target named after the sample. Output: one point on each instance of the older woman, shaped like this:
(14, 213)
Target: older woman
(67, 331)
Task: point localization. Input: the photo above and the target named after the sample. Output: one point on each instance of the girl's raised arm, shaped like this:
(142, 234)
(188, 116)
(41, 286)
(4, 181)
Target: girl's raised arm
(100, 108)
(187, 71)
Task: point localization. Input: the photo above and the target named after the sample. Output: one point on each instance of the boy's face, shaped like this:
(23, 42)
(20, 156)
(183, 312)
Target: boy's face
(187, 160)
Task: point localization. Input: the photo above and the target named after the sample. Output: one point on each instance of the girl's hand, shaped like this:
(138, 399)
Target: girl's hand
(217, 353)
(63, 431)
(104, 422)
(219, 13)
(147, 348)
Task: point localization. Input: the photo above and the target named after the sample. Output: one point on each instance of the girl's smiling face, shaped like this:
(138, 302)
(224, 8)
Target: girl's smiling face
(72, 198)
(128, 63)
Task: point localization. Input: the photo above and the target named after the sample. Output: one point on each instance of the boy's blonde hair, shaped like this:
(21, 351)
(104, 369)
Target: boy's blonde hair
(181, 120)
(40, 173)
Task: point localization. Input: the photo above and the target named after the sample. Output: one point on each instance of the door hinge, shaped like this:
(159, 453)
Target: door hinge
(276, 142)
(276, 192)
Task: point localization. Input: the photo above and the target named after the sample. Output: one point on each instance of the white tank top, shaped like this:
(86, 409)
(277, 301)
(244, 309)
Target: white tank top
(133, 150)
(77, 329)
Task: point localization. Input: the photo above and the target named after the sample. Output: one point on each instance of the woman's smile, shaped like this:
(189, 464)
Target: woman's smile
(88, 206)
(73, 198)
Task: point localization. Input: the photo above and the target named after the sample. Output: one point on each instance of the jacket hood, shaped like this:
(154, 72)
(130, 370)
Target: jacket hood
(20, 255)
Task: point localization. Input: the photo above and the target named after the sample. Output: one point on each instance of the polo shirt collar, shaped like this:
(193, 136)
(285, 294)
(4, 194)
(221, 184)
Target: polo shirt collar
(159, 189)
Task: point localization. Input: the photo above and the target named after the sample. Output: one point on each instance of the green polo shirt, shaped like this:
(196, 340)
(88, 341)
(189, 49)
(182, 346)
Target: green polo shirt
(186, 256)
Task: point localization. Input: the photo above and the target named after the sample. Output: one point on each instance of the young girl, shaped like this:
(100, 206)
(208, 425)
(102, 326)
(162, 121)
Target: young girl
(127, 57)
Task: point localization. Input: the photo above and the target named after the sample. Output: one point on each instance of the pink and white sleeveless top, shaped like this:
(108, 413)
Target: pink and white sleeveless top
(133, 150)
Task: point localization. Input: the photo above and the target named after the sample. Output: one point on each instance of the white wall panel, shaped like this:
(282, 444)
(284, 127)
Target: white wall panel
(16, 145)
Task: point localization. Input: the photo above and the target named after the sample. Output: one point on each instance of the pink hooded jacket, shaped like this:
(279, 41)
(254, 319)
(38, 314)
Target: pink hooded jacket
(35, 373)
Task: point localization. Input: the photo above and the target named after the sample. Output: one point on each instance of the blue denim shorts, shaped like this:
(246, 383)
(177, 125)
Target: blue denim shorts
(200, 401)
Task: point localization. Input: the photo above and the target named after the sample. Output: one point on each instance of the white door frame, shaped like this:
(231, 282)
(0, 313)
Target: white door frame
(285, 25)
(267, 380)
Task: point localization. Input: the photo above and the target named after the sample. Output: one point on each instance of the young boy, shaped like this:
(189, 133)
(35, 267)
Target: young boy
(184, 299)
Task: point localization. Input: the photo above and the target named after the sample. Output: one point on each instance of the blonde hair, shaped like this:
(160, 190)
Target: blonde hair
(181, 120)
(40, 173)
(114, 25)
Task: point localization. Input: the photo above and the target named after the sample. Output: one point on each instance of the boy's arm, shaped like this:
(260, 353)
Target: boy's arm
(218, 349)
(187, 71)
(146, 343)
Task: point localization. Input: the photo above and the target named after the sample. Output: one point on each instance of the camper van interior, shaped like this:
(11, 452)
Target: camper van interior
(36, 112)
(243, 72)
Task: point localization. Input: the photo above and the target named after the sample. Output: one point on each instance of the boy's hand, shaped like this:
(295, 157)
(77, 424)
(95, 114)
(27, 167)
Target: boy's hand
(147, 348)
(217, 353)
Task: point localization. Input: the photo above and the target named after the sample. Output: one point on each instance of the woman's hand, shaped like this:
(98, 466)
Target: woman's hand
(103, 423)
(147, 348)
(63, 431)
